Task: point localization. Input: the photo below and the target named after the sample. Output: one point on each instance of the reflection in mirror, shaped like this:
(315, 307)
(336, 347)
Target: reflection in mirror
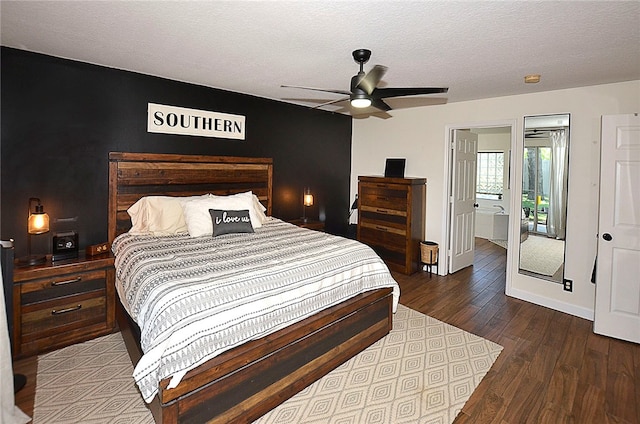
(544, 196)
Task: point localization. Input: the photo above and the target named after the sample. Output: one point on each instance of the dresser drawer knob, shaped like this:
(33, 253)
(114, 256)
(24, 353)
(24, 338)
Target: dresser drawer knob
(381, 228)
(64, 311)
(62, 283)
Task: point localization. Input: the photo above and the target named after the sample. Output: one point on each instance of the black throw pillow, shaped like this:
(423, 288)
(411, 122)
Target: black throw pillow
(227, 222)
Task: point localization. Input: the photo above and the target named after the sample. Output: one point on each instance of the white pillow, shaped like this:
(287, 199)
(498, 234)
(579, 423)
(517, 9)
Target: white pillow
(185, 199)
(259, 209)
(253, 204)
(157, 215)
(198, 219)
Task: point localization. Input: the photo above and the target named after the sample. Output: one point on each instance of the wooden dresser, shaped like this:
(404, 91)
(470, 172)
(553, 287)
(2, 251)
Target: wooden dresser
(55, 305)
(391, 219)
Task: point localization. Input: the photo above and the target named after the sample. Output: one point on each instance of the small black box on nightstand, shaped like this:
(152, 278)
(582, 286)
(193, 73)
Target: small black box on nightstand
(65, 246)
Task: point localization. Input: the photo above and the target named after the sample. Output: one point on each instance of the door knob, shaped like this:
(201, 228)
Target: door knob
(607, 237)
(475, 205)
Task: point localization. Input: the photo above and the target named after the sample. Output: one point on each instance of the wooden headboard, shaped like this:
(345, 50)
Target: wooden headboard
(135, 175)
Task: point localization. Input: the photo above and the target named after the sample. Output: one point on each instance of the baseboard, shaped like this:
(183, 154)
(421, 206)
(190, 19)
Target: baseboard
(554, 304)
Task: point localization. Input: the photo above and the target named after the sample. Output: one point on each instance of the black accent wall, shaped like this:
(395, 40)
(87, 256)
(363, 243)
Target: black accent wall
(61, 118)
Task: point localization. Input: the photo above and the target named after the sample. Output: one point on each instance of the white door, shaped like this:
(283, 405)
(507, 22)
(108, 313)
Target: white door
(617, 309)
(463, 199)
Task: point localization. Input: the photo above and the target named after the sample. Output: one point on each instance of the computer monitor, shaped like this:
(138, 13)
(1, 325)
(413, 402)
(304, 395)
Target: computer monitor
(394, 168)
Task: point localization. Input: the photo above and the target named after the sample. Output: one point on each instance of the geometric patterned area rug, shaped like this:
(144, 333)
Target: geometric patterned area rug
(422, 372)
(89, 382)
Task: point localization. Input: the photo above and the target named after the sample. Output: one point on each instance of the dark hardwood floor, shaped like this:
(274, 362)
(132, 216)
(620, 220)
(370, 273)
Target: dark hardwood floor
(553, 368)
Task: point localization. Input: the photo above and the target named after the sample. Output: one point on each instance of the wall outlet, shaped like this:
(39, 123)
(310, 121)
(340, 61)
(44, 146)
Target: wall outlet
(568, 284)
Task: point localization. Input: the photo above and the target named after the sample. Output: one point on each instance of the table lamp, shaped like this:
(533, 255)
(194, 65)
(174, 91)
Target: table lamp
(38, 223)
(307, 200)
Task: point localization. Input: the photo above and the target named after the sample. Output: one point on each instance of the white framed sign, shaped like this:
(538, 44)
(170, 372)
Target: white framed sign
(181, 120)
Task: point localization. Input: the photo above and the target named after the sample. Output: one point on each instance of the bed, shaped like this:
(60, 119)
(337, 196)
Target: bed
(246, 381)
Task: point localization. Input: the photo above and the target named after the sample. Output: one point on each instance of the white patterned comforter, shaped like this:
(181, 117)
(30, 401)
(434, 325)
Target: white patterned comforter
(194, 298)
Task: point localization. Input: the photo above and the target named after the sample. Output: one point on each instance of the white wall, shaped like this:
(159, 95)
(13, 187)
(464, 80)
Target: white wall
(419, 134)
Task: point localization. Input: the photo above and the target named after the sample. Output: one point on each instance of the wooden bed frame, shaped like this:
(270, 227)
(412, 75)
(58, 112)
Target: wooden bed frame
(244, 383)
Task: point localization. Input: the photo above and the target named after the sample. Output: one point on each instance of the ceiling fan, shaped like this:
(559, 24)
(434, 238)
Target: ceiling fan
(364, 91)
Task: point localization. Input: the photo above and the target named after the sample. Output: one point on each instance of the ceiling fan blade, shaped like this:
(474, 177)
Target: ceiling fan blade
(330, 103)
(380, 104)
(381, 93)
(536, 134)
(346, 93)
(371, 80)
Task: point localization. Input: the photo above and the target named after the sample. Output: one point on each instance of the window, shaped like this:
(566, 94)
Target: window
(490, 176)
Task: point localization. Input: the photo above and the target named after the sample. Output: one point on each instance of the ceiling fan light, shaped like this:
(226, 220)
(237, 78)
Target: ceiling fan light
(361, 102)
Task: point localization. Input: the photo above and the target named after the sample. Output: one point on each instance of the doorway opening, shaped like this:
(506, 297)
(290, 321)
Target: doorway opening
(491, 218)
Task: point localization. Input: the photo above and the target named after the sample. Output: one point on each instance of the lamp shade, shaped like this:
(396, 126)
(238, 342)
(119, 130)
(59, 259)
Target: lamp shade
(38, 222)
(308, 199)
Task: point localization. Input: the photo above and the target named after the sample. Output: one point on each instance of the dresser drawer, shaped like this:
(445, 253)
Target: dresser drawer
(391, 222)
(390, 247)
(374, 235)
(384, 196)
(386, 234)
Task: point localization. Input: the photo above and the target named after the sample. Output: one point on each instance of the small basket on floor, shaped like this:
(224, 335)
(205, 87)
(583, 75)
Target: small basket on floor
(429, 254)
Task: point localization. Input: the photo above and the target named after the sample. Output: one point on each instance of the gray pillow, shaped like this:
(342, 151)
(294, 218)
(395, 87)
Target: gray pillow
(227, 222)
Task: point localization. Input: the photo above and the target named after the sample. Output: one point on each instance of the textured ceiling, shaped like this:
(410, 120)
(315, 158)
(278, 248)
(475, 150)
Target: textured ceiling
(478, 49)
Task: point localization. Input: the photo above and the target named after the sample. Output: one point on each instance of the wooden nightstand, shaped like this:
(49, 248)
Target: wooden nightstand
(55, 305)
(310, 224)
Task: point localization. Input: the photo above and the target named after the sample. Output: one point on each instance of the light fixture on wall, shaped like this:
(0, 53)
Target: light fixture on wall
(38, 223)
(307, 200)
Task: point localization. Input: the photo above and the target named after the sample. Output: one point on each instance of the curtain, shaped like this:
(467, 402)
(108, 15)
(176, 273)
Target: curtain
(9, 412)
(556, 219)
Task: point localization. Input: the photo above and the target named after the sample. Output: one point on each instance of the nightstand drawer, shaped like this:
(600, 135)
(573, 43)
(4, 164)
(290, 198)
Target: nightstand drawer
(62, 286)
(45, 319)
